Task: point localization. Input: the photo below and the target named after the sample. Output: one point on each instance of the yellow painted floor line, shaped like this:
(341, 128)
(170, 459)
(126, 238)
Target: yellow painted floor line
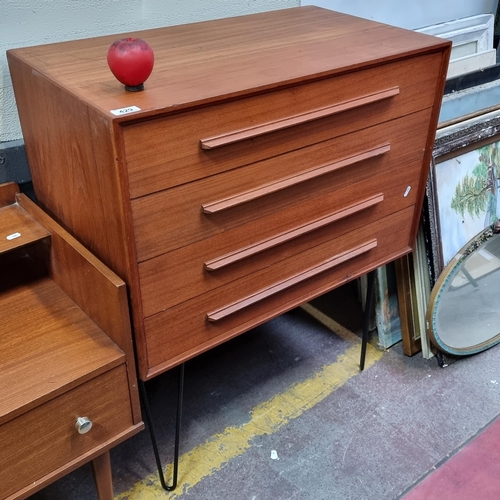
(266, 418)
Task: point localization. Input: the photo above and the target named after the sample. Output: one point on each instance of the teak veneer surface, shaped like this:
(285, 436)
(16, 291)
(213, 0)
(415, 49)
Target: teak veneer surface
(263, 146)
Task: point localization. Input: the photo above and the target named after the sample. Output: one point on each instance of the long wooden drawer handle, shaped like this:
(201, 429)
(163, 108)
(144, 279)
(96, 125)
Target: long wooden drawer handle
(261, 246)
(298, 119)
(286, 182)
(239, 305)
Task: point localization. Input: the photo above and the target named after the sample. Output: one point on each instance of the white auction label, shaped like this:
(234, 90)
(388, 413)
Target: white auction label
(13, 236)
(125, 111)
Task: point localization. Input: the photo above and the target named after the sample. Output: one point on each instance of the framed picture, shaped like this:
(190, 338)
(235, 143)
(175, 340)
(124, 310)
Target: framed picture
(463, 188)
(461, 200)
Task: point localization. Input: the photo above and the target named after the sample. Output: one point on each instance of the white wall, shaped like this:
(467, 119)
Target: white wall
(410, 14)
(35, 22)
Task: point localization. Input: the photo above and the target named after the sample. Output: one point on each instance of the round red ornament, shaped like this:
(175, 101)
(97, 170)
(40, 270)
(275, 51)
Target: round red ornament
(131, 61)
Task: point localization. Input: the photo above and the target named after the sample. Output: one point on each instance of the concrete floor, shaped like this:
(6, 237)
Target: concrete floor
(291, 389)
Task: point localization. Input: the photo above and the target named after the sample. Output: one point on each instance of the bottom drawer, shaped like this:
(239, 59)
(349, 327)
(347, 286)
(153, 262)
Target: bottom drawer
(45, 438)
(205, 321)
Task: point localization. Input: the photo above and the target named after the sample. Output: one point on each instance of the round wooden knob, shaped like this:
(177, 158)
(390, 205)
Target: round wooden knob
(83, 425)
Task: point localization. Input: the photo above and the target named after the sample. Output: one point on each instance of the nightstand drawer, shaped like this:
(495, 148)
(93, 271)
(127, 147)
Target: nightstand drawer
(183, 147)
(45, 438)
(215, 207)
(212, 318)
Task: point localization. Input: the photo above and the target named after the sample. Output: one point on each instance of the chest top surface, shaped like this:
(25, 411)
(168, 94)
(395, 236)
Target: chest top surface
(200, 63)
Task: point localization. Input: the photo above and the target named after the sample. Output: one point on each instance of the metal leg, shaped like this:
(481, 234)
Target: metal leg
(180, 390)
(368, 313)
(440, 360)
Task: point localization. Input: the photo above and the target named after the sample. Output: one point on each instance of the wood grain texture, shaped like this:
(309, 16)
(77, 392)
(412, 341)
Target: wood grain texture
(101, 467)
(165, 152)
(48, 345)
(261, 295)
(180, 274)
(429, 145)
(260, 88)
(58, 473)
(281, 238)
(307, 175)
(295, 120)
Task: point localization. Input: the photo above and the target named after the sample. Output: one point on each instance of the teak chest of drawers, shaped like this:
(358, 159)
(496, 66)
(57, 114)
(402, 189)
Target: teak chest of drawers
(270, 158)
(68, 387)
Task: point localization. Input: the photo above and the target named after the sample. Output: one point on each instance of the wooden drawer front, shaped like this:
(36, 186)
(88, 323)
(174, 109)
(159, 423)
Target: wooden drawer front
(244, 303)
(176, 149)
(206, 265)
(174, 218)
(39, 441)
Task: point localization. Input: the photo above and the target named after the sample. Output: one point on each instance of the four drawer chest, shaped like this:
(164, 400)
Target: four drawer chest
(269, 159)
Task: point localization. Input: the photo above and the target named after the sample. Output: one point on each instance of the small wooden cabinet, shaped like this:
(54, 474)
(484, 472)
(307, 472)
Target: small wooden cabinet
(270, 158)
(68, 389)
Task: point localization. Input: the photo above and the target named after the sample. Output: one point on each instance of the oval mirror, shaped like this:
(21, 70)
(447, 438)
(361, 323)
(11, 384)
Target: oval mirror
(463, 316)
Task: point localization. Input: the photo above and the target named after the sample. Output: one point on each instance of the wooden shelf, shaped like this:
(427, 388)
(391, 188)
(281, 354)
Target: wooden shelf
(48, 345)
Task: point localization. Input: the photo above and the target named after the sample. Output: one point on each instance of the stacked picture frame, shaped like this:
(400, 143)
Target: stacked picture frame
(462, 198)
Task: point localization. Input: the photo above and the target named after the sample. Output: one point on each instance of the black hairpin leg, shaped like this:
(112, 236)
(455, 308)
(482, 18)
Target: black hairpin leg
(368, 314)
(147, 411)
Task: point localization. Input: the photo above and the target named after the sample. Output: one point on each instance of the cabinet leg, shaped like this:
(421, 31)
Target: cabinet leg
(149, 420)
(101, 466)
(368, 313)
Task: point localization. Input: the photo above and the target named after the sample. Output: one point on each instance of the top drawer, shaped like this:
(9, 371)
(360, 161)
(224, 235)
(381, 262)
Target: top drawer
(172, 150)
